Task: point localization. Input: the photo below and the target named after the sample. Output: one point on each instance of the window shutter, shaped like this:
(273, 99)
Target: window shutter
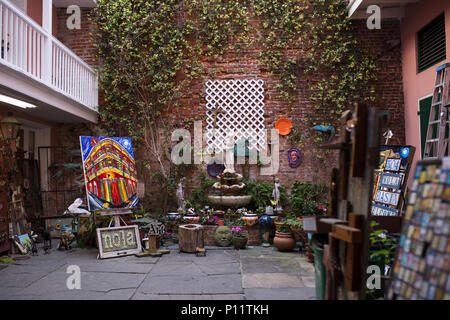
(431, 43)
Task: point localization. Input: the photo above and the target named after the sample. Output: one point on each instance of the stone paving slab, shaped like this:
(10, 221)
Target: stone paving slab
(192, 284)
(271, 280)
(280, 294)
(227, 297)
(224, 274)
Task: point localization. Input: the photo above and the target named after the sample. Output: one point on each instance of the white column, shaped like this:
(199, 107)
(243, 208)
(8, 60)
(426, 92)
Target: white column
(47, 24)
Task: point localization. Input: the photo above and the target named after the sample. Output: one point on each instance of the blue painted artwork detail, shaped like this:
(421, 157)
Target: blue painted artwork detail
(380, 210)
(391, 180)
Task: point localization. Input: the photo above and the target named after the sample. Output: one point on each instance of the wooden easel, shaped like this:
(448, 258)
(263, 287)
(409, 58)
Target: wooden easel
(116, 216)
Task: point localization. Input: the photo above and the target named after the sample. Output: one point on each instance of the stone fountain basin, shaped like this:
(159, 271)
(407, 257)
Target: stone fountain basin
(229, 190)
(230, 201)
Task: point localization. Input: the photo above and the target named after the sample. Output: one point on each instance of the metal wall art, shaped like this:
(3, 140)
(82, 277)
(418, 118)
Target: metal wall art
(294, 157)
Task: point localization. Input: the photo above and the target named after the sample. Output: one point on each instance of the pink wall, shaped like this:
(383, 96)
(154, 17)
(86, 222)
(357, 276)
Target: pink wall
(418, 85)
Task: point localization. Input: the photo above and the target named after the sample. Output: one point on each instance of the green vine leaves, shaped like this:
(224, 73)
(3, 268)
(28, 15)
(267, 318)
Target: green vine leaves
(151, 50)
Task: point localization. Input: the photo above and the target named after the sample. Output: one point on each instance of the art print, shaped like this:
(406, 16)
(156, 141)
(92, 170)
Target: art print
(109, 172)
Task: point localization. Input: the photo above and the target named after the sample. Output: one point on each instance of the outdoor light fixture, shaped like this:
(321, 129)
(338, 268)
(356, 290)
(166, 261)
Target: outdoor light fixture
(9, 127)
(16, 102)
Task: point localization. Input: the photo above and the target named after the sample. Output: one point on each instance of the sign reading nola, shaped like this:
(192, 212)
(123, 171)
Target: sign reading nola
(235, 106)
(118, 241)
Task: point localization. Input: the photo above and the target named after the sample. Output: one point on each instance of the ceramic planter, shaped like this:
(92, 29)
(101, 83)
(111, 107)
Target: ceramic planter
(240, 242)
(284, 241)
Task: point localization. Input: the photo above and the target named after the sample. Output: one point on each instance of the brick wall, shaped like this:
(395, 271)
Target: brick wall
(389, 95)
(79, 41)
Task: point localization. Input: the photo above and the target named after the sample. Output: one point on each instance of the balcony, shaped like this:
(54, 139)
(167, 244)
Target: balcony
(36, 64)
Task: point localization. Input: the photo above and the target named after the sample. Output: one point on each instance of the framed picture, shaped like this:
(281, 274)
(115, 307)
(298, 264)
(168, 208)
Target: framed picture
(118, 241)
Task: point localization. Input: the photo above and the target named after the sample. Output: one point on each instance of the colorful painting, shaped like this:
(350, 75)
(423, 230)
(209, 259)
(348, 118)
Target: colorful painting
(109, 172)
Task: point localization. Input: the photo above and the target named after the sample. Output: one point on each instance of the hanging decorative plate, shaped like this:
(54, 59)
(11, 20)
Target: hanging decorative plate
(294, 157)
(283, 126)
(214, 169)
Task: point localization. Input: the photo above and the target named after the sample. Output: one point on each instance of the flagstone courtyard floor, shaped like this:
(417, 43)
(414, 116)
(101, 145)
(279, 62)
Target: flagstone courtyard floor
(223, 274)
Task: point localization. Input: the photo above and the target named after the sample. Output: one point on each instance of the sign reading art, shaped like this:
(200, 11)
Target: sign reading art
(118, 241)
(109, 173)
(157, 229)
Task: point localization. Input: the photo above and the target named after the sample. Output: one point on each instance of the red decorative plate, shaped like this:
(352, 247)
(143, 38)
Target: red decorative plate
(283, 126)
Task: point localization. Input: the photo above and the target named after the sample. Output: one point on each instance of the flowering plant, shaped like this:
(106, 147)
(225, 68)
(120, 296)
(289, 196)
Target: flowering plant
(312, 208)
(237, 232)
(207, 220)
(167, 235)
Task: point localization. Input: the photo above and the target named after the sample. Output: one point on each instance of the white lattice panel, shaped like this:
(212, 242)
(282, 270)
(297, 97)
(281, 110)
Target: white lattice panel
(242, 102)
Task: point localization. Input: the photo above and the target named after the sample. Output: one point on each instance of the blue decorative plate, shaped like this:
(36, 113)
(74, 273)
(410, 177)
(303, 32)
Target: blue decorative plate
(215, 169)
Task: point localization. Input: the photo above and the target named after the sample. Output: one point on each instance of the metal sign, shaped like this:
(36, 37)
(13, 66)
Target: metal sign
(391, 180)
(118, 241)
(380, 210)
(389, 198)
(393, 164)
(157, 229)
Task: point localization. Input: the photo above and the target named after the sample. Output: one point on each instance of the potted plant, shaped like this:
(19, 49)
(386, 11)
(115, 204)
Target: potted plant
(240, 239)
(209, 221)
(284, 238)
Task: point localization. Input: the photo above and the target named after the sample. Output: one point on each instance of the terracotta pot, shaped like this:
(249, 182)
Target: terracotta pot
(278, 225)
(240, 242)
(284, 241)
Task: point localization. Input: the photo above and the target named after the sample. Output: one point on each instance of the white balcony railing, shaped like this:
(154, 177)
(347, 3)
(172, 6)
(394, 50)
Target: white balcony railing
(26, 47)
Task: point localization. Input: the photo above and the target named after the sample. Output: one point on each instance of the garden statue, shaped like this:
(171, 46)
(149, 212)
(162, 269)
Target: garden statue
(223, 236)
(75, 208)
(276, 196)
(180, 197)
(228, 191)
(229, 154)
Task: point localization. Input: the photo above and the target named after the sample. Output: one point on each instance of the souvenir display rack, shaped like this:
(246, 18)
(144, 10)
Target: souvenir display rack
(421, 270)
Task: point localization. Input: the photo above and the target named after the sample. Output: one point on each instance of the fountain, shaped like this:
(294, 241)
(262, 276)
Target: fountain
(228, 190)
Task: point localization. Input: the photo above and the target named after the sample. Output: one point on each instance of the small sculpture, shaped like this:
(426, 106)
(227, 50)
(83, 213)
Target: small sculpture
(65, 241)
(223, 236)
(180, 197)
(74, 208)
(277, 196)
(229, 154)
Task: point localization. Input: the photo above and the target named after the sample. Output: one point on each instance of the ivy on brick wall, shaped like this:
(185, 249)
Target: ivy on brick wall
(150, 51)
(144, 46)
(316, 40)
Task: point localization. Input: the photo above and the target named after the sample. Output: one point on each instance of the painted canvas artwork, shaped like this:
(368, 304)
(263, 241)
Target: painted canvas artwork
(109, 172)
